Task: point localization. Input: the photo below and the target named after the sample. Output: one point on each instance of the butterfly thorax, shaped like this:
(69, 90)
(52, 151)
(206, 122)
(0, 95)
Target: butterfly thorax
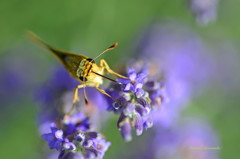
(86, 73)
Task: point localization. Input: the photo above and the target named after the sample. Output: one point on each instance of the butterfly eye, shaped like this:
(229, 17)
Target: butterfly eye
(90, 60)
(82, 63)
(83, 78)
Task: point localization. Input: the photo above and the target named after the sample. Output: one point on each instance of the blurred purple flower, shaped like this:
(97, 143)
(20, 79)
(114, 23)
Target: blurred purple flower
(12, 84)
(183, 60)
(72, 134)
(187, 139)
(136, 98)
(15, 78)
(59, 82)
(50, 95)
(205, 11)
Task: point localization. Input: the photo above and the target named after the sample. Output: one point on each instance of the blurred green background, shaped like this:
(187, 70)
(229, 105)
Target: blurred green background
(88, 27)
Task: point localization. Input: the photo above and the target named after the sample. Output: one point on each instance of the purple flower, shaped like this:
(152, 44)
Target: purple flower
(181, 56)
(72, 135)
(125, 128)
(134, 83)
(136, 99)
(187, 139)
(56, 95)
(205, 11)
(15, 78)
(190, 137)
(55, 138)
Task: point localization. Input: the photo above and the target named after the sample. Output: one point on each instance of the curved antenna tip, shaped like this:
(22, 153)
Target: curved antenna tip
(114, 45)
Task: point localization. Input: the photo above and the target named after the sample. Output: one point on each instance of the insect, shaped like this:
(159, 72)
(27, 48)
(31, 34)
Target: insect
(82, 68)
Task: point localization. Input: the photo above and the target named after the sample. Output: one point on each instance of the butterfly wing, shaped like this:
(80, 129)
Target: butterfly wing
(69, 60)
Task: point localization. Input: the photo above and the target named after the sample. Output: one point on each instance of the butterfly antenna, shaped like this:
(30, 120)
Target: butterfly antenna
(110, 48)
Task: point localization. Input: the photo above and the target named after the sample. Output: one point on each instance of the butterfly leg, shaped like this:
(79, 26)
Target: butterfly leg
(103, 92)
(75, 97)
(104, 64)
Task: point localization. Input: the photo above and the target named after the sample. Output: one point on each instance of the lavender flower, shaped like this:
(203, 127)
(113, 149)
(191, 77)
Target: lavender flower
(182, 57)
(136, 99)
(205, 11)
(187, 139)
(72, 135)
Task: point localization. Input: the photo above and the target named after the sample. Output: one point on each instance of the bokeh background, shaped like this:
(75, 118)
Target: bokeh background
(88, 27)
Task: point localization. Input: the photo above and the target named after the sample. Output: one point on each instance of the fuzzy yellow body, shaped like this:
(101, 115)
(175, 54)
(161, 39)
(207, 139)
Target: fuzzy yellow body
(86, 71)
